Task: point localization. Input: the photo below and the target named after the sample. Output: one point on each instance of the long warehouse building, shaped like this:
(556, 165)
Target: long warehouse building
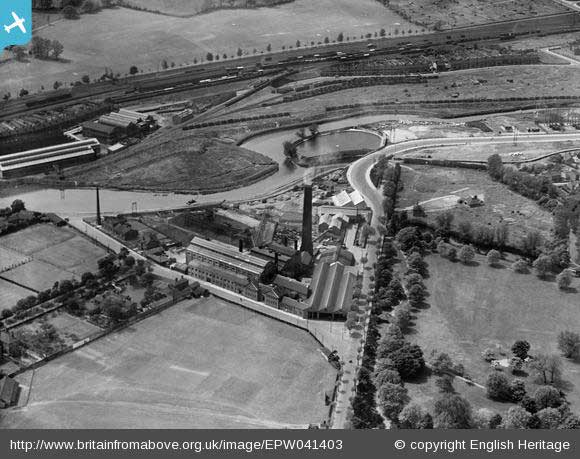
(43, 159)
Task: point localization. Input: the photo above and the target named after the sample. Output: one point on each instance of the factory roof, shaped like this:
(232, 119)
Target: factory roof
(227, 250)
(291, 284)
(332, 288)
(341, 199)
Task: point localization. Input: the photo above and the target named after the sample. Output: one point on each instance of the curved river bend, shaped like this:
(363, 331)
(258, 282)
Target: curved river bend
(81, 202)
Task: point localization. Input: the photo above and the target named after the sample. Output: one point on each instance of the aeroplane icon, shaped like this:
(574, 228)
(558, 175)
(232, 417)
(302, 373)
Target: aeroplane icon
(18, 22)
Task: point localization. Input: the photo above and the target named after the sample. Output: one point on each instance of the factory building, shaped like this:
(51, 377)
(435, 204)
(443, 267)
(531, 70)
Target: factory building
(116, 126)
(332, 289)
(44, 159)
(225, 257)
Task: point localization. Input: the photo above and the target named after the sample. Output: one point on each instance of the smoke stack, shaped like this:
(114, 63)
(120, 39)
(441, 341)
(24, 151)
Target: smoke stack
(307, 221)
(241, 246)
(98, 208)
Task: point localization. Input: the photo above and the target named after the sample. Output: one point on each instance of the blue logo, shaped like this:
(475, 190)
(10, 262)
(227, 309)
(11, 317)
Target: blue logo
(15, 22)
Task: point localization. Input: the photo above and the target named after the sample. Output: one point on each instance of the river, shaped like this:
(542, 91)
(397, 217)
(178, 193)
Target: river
(81, 202)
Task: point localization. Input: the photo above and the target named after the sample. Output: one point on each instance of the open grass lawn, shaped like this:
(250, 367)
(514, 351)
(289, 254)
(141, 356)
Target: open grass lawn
(10, 293)
(176, 162)
(9, 257)
(200, 364)
(37, 275)
(146, 39)
(481, 152)
(192, 7)
(36, 238)
(471, 308)
(53, 254)
(453, 13)
(439, 189)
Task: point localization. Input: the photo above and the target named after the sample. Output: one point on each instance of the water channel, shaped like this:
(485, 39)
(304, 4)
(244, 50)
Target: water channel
(81, 202)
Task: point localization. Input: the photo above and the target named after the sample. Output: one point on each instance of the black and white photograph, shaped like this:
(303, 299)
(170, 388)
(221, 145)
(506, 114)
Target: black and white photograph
(290, 215)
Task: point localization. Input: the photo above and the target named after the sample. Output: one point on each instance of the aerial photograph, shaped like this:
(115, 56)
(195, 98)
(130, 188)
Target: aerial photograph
(290, 214)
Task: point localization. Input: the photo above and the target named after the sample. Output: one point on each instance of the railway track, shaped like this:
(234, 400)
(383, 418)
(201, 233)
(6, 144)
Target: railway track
(193, 77)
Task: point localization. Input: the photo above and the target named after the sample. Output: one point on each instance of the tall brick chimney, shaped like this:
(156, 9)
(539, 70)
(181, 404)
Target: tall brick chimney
(307, 221)
(99, 222)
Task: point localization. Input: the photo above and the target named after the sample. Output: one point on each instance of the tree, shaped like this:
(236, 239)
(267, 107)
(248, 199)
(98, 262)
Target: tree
(516, 418)
(542, 265)
(550, 418)
(57, 49)
(392, 400)
(466, 254)
(445, 384)
(444, 220)
(569, 344)
(416, 295)
(40, 47)
(387, 376)
(340, 37)
(520, 266)
(240, 52)
(209, 57)
(19, 53)
(314, 129)
(133, 70)
(70, 12)
(408, 360)
(531, 243)
(269, 47)
(402, 317)
(564, 280)
(290, 150)
(389, 344)
(520, 349)
(452, 253)
(416, 262)
(495, 166)
(484, 418)
(493, 257)
(440, 362)
(547, 397)
(465, 229)
(547, 368)
(498, 387)
(414, 416)
(17, 206)
(452, 411)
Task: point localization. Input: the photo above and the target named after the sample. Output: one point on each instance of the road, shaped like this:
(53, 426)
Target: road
(358, 174)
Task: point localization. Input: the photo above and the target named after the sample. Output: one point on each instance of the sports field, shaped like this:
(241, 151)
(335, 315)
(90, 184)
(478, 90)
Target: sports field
(10, 293)
(200, 364)
(147, 38)
(471, 308)
(10, 258)
(49, 254)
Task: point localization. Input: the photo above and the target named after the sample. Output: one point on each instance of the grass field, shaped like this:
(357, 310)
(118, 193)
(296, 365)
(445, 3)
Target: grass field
(10, 293)
(9, 258)
(54, 254)
(459, 13)
(178, 162)
(427, 183)
(471, 308)
(200, 364)
(475, 152)
(192, 7)
(147, 38)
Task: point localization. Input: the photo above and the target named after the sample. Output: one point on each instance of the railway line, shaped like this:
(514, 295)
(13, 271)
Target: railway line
(142, 86)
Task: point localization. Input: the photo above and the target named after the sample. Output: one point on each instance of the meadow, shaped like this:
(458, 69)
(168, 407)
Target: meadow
(200, 364)
(471, 308)
(148, 38)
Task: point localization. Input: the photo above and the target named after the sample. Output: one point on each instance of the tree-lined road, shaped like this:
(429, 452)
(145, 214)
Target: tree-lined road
(358, 173)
